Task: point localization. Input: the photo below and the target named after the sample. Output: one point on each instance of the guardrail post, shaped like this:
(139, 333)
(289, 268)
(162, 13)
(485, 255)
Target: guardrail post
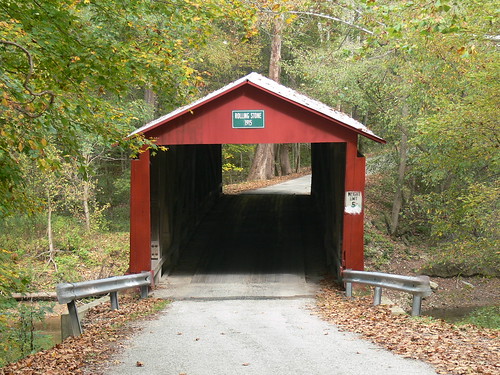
(348, 289)
(416, 306)
(69, 292)
(144, 291)
(76, 327)
(377, 296)
(419, 286)
(114, 300)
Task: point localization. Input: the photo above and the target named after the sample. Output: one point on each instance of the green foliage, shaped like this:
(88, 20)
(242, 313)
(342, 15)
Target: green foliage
(378, 246)
(18, 335)
(78, 254)
(428, 70)
(69, 70)
(11, 279)
(486, 317)
(236, 160)
(470, 257)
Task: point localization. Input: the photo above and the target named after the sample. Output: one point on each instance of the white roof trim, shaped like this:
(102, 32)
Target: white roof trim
(277, 89)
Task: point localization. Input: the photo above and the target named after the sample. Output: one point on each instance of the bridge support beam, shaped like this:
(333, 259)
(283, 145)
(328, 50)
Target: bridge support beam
(353, 231)
(140, 214)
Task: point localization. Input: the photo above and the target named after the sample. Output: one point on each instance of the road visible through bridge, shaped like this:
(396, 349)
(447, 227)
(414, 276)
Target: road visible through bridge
(243, 300)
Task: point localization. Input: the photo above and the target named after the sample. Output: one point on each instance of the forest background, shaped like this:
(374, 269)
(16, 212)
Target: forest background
(77, 76)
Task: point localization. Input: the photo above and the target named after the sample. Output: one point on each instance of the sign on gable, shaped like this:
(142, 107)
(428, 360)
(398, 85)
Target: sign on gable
(248, 119)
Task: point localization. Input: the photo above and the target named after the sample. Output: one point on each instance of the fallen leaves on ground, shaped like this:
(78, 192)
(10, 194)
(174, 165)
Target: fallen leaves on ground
(103, 328)
(462, 350)
(459, 350)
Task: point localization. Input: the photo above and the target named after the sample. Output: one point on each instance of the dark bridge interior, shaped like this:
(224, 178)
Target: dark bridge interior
(216, 238)
(255, 238)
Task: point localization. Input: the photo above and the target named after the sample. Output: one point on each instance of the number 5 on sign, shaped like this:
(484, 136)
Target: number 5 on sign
(353, 202)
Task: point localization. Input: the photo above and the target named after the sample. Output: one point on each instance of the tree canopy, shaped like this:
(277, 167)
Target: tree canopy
(71, 69)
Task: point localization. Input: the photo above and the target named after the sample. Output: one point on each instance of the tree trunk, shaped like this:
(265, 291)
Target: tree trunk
(397, 202)
(297, 157)
(263, 163)
(151, 99)
(274, 63)
(86, 209)
(50, 235)
(285, 166)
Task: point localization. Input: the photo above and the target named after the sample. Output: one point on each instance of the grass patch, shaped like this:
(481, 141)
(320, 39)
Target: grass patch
(485, 317)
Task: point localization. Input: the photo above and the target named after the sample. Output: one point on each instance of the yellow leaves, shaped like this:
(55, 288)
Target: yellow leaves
(42, 163)
(290, 19)
(75, 59)
(5, 101)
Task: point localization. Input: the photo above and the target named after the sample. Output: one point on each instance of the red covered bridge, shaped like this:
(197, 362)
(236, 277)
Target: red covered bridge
(173, 190)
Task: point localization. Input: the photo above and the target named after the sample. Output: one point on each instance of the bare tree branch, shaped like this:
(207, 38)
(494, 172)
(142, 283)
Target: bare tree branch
(350, 24)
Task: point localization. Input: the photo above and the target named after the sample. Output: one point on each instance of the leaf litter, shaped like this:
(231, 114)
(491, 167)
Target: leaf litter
(458, 350)
(104, 333)
(451, 349)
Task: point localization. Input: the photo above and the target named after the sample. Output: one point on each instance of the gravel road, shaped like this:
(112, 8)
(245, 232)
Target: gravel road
(253, 337)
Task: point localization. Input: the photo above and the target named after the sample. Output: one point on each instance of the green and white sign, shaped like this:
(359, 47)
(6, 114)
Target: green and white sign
(249, 119)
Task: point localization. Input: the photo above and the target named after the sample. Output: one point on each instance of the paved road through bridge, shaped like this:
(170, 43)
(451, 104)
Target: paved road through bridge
(243, 300)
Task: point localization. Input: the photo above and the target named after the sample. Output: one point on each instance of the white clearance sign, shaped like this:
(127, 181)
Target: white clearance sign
(353, 202)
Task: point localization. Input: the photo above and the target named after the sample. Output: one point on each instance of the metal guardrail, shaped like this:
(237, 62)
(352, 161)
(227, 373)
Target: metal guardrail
(419, 286)
(69, 292)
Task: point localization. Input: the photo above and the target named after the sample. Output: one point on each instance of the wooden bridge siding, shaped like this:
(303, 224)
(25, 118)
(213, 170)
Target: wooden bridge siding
(170, 193)
(284, 123)
(328, 190)
(353, 232)
(210, 124)
(192, 181)
(337, 168)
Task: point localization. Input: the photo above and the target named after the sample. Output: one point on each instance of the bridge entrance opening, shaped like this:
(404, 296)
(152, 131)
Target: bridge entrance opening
(272, 234)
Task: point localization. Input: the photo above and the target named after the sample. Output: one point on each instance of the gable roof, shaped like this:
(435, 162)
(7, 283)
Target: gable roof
(276, 89)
